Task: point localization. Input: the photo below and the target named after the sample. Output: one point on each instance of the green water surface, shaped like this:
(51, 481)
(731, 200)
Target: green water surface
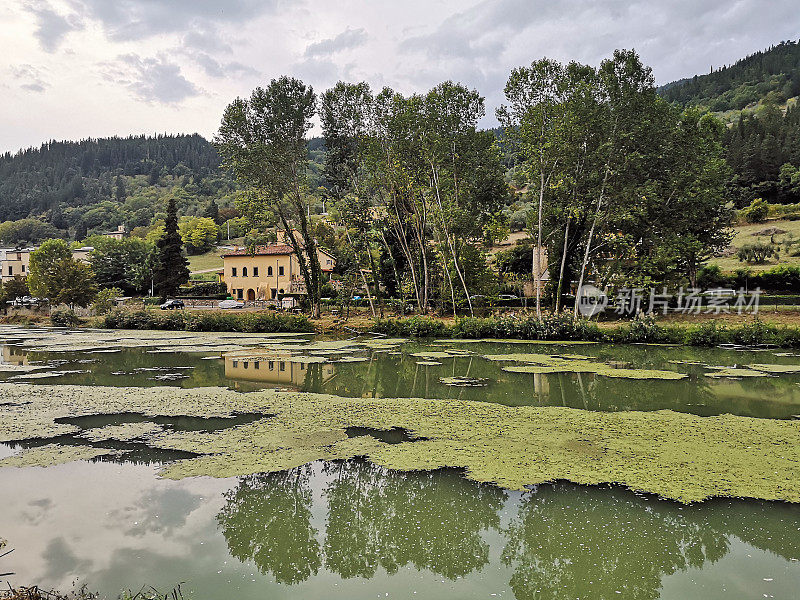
(352, 530)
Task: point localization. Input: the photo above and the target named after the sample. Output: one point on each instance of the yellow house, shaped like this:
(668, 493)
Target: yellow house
(267, 272)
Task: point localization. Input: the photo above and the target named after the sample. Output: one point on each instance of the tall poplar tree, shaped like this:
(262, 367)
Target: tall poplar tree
(262, 139)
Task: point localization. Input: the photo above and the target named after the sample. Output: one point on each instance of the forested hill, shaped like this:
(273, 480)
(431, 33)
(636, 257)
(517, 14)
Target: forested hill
(65, 174)
(773, 73)
(71, 189)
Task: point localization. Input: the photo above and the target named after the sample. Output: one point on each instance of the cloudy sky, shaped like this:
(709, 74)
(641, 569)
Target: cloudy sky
(71, 69)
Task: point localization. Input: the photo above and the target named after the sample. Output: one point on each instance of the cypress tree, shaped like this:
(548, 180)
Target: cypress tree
(171, 268)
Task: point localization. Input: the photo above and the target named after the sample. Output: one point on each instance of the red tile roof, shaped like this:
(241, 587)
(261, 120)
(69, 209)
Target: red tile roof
(272, 249)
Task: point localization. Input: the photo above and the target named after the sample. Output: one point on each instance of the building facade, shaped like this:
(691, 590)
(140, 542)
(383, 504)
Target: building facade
(267, 272)
(15, 261)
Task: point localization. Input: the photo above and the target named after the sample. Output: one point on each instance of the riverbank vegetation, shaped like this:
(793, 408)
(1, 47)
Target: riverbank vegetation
(642, 330)
(248, 322)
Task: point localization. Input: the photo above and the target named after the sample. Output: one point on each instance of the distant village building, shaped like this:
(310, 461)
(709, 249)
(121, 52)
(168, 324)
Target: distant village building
(267, 272)
(16, 261)
(118, 234)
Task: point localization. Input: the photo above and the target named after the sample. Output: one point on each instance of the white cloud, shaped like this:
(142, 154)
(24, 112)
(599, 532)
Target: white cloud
(154, 80)
(182, 61)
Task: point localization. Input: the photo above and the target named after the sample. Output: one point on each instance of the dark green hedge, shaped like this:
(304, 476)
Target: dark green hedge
(778, 279)
(248, 322)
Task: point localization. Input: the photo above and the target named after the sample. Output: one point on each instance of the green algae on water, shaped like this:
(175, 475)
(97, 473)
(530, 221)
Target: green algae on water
(782, 369)
(539, 364)
(679, 456)
(734, 373)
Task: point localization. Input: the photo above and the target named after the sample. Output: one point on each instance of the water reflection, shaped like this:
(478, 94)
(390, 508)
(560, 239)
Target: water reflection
(379, 518)
(267, 519)
(281, 372)
(563, 541)
(354, 530)
(575, 543)
(399, 374)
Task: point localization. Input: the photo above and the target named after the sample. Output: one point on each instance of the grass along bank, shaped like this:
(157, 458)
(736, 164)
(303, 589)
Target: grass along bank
(645, 329)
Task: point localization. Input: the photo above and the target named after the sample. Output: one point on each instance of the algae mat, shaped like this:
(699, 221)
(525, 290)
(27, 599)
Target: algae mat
(678, 456)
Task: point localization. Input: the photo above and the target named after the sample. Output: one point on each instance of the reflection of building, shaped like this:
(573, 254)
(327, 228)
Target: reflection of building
(275, 370)
(14, 356)
(266, 272)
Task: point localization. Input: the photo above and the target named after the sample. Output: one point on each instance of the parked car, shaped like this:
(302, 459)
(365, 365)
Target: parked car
(230, 304)
(21, 301)
(172, 304)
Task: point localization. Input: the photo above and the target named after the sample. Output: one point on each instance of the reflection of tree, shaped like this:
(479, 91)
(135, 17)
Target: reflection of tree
(267, 519)
(575, 542)
(432, 520)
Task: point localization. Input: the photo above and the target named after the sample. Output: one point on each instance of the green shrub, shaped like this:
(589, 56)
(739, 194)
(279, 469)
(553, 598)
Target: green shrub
(643, 329)
(64, 317)
(105, 300)
(756, 212)
(757, 253)
(415, 326)
(706, 334)
(208, 289)
(755, 333)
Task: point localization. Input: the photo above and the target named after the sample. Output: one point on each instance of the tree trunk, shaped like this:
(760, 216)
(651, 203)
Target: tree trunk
(537, 260)
(561, 269)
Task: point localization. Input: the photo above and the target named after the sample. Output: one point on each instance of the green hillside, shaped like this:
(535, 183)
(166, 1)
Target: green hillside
(75, 189)
(772, 74)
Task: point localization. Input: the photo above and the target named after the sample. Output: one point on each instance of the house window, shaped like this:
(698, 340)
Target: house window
(245, 364)
(255, 271)
(269, 271)
(255, 366)
(283, 366)
(10, 270)
(233, 271)
(23, 268)
(235, 363)
(271, 365)
(240, 294)
(280, 271)
(244, 271)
